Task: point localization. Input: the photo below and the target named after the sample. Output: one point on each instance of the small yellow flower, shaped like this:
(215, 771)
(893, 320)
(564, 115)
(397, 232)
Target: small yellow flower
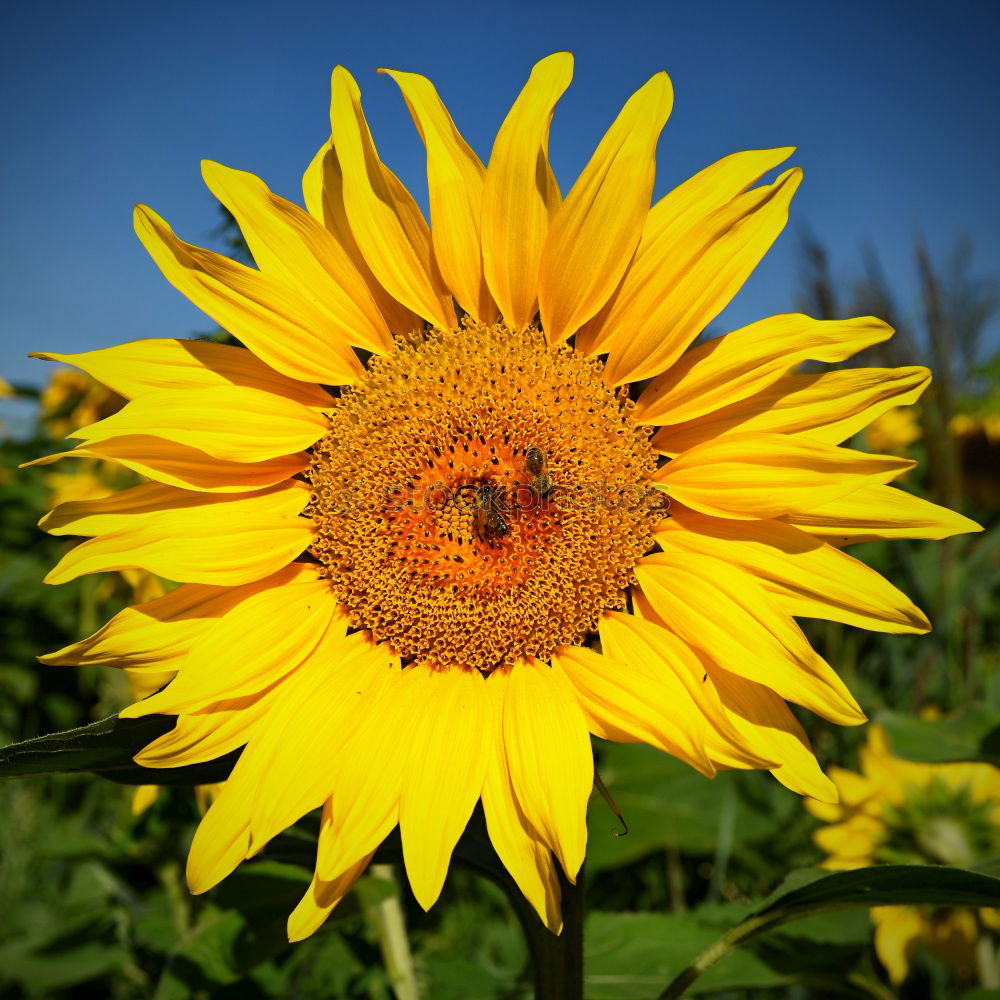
(965, 425)
(900, 812)
(894, 431)
(72, 398)
(978, 440)
(428, 538)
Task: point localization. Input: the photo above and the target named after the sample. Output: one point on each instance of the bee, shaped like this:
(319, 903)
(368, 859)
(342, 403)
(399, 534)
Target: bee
(490, 511)
(536, 466)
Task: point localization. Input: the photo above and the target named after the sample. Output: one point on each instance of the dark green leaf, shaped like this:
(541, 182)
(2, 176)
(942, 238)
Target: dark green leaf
(629, 956)
(107, 748)
(972, 736)
(665, 804)
(884, 885)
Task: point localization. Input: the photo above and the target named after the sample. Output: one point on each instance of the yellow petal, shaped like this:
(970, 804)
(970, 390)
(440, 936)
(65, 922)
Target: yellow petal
(188, 537)
(200, 738)
(830, 407)
(878, 512)
(320, 706)
(657, 651)
(223, 838)
(384, 218)
(213, 732)
(364, 811)
(673, 222)
(156, 635)
(549, 757)
(122, 510)
(723, 611)
(455, 186)
(761, 720)
(228, 422)
(807, 578)
(290, 246)
(769, 728)
(221, 841)
(852, 842)
(187, 468)
(261, 640)
(626, 704)
(692, 283)
(528, 860)
(144, 366)
(520, 194)
(143, 797)
(320, 899)
(898, 931)
(274, 321)
(444, 776)
(730, 368)
(323, 191)
(596, 230)
(748, 476)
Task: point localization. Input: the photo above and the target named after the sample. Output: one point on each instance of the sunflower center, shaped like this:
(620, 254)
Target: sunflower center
(481, 496)
(938, 824)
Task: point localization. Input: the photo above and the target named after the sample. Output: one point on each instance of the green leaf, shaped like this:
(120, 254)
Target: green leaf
(243, 927)
(972, 736)
(629, 956)
(62, 968)
(806, 893)
(665, 804)
(885, 885)
(107, 748)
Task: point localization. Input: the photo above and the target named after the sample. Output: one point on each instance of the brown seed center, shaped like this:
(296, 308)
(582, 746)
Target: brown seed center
(481, 496)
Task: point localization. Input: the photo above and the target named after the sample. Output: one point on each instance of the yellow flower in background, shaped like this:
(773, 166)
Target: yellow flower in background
(970, 424)
(900, 812)
(405, 511)
(894, 431)
(71, 399)
(978, 438)
(68, 400)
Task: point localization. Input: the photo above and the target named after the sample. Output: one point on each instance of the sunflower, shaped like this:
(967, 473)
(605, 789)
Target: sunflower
(466, 495)
(899, 812)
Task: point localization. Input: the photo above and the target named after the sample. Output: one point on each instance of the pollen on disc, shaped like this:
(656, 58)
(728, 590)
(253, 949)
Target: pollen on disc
(429, 525)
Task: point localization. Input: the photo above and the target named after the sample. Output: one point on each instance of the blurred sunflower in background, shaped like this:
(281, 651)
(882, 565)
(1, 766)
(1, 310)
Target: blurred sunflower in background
(467, 495)
(900, 812)
(894, 431)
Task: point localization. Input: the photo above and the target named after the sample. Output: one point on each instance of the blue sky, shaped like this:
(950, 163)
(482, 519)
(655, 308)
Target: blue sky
(892, 106)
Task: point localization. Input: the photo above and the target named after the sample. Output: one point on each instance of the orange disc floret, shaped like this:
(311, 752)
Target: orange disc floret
(437, 532)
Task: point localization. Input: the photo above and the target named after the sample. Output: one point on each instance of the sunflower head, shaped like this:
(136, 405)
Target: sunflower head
(480, 496)
(465, 494)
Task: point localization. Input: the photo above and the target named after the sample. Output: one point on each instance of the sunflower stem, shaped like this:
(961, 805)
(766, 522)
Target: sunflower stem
(387, 918)
(557, 958)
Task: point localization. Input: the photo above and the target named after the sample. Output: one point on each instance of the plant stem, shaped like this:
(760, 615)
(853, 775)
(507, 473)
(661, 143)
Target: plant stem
(387, 918)
(557, 958)
(750, 928)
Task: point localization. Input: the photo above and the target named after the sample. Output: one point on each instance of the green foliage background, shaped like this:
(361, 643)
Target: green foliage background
(94, 901)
